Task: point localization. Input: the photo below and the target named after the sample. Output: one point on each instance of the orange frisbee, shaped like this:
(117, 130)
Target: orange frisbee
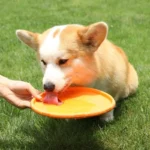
(77, 102)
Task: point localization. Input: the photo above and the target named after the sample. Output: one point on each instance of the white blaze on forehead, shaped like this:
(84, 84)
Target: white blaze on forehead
(49, 50)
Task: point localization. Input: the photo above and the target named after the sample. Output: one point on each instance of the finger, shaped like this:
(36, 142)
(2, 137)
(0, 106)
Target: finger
(14, 99)
(34, 92)
(26, 104)
(20, 103)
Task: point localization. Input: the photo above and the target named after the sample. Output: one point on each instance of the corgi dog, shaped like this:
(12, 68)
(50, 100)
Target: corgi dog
(81, 55)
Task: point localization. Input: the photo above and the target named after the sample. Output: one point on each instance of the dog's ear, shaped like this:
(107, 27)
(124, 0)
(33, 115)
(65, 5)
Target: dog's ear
(29, 38)
(94, 34)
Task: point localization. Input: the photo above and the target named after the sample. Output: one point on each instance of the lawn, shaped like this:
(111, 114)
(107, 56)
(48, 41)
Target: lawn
(128, 27)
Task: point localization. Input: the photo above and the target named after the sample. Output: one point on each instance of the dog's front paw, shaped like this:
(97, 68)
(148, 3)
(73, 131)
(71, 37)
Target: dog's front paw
(107, 117)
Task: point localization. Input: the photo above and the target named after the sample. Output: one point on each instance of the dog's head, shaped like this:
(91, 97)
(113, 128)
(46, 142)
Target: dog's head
(66, 53)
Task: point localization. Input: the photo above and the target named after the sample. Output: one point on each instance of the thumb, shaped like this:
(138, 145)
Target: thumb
(34, 92)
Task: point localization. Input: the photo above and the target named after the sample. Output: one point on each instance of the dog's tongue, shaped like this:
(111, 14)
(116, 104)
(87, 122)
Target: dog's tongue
(51, 98)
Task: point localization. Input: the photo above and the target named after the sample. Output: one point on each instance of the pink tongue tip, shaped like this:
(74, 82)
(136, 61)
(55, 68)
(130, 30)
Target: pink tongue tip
(51, 98)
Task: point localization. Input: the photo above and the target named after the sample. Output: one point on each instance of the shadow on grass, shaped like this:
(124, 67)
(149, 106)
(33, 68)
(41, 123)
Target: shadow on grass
(55, 134)
(71, 135)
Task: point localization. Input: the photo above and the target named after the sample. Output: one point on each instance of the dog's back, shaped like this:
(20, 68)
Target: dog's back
(116, 75)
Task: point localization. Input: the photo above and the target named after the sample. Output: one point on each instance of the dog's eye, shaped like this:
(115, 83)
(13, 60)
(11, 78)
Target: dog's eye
(62, 61)
(43, 62)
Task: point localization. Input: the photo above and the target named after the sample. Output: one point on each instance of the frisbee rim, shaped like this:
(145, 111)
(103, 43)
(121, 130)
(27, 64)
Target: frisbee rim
(77, 115)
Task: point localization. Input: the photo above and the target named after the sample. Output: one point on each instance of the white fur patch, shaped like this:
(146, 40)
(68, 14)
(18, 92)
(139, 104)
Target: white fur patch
(54, 74)
(49, 50)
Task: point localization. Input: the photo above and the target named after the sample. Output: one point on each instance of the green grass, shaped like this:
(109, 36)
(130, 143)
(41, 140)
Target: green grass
(128, 27)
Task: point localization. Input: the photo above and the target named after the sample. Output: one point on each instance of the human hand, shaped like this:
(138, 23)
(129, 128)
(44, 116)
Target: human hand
(18, 93)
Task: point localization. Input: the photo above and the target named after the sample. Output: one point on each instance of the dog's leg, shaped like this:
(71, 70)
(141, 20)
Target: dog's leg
(109, 116)
(132, 81)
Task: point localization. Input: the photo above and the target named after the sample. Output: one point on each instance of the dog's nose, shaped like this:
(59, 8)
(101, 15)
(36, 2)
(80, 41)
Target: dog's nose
(49, 87)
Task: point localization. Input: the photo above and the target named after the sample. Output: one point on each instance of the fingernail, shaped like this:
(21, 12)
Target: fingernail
(39, 97)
